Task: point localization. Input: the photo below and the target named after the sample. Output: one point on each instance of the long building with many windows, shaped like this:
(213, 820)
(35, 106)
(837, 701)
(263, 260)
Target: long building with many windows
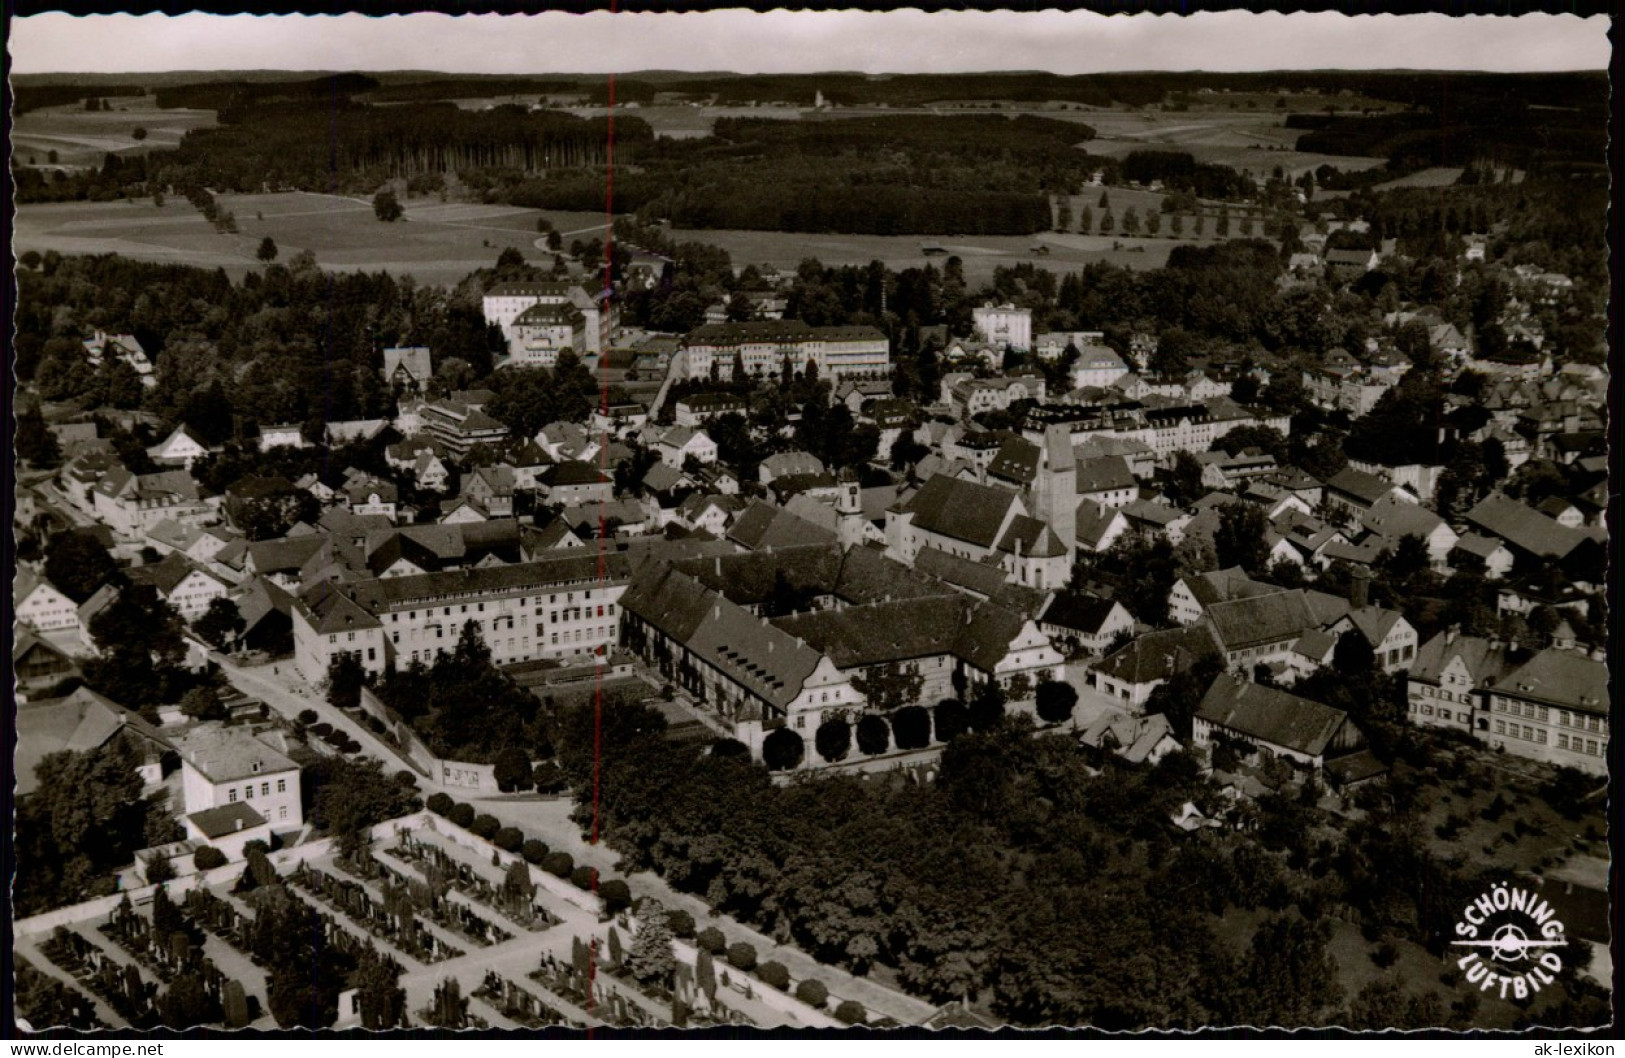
(556, 608)
(762, 347)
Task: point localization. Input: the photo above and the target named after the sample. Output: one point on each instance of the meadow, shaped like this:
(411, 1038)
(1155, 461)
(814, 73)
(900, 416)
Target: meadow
(436, 242)
(83, 138)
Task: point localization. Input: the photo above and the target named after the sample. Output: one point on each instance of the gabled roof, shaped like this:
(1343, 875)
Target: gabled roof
(330, 610)
(961, 510)
(573, 472)
(1523, 527)
(1269, 715)
(978, 578)
(1223, 585)
(1016, 461)
(763, 525)
(1392, 518)
(168, 574)
(784, 464)
(764, 659)
(1094, 523)
(1104, 474)
(1079, 612)
(81, 722)
(1153, 512)
(1367, 488)
(1029, 537)
(1484, 660)
(285, 555)
(1160, 655)
(1561, 678)
(1243, 623)
(1374, 622)
(910, 629)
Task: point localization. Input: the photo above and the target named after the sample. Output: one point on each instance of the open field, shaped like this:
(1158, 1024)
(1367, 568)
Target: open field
(438, 243)
(981, 254)
(81, 137)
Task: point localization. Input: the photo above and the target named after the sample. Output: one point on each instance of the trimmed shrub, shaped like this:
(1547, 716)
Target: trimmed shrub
(461, 814)
(774, 973)
(533, 851)
(583, 878)
(833, 739)
(851, 1012)
(617, 897)
(680, 922)
(307, 716)
(559, 864)
(547, 777)
(207, 858)
(509, 839)
(813, 992)
(783, 750)
(406, 777)
(440, 803)
(321, 730)
(730, 747)
(742, 955)
(951, 719)
(485, 826)
(874, 735)
(711, 939)
(911, 725)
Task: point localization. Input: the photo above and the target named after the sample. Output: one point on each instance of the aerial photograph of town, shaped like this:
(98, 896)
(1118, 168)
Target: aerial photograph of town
(600, 524)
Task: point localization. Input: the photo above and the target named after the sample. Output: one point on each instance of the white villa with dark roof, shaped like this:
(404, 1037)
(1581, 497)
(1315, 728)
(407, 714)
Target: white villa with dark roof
(238, 787)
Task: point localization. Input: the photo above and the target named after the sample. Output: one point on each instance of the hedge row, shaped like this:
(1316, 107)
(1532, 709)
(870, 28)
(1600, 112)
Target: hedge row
(615, 893)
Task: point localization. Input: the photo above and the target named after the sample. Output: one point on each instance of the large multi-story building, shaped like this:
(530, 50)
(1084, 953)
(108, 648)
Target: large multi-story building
(1004, 325)
(506, 302)
(1186, 427)
(458, 427)
(763, 346)
(548, 609)
(1553, 708)
(542, 332)
(237, 787)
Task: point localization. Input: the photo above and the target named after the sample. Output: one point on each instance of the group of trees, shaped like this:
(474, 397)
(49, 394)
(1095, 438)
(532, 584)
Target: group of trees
(922, 878)
(462, 706)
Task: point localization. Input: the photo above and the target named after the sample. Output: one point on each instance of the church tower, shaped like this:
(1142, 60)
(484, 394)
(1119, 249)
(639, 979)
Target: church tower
(1055, 487)
(848, 510)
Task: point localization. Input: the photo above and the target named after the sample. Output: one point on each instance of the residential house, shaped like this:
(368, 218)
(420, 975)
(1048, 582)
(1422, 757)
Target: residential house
(181, 448)
(698, 408)
(681, 443)
(1098, 527)
(37, 604)
(459, 427)
(1447, 677)
(1096, 365)
(288, 435)
(37, 664)
(1392, 639)
(1136, 739)
(183, 584)
(576, 483)
(1107, 481)
(1392, 518)
(130, 505)
(491, 489)
(1004, 325)
(408, 369)
(1155, 519)
(1131, 673)
(1354, 492)
(1191, 595)
(786, 464)
(82, 722)
(238, 785)
(369, 495)
(1350, 264)
(1084, 622)
(1284, 724)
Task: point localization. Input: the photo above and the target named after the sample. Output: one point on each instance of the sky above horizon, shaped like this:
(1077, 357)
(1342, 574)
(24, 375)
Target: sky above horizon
(1064, 42)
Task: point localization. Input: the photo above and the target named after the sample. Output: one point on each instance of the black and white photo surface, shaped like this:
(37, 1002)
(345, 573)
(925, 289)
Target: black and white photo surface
(811, 520)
